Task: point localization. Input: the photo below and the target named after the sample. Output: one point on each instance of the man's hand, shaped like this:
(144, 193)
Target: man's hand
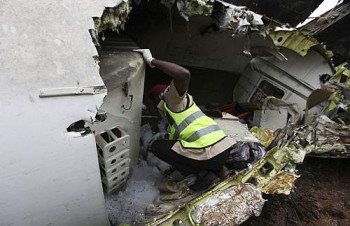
(180, 75)
(147, 55)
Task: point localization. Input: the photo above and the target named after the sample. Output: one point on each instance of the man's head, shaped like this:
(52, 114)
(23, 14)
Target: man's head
(156, 93)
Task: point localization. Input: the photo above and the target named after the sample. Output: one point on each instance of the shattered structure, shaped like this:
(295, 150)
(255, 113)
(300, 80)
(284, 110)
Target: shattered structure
(74, 111)
(268, 46)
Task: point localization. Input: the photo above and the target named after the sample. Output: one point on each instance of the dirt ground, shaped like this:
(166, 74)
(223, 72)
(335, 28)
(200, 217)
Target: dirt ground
(321, 197)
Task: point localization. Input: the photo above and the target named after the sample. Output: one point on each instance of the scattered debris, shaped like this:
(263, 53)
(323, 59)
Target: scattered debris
(276, 167)
(287, 146)
(194, 7)
(113, 18)
(229, 207)
(282, 183)
(236, 18)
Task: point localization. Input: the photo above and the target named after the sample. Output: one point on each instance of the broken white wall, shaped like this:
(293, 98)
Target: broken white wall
(48, 175)
(123, 105)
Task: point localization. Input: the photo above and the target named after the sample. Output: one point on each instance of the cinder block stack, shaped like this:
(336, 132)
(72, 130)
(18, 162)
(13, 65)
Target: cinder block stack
(113, 147)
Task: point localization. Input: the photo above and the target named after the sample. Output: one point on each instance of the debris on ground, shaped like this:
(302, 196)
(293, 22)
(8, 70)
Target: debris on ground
(229, 207)
(288, 140)
(320, 197)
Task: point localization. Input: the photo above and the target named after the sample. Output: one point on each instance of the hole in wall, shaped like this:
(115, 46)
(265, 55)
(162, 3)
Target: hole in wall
(79, 127)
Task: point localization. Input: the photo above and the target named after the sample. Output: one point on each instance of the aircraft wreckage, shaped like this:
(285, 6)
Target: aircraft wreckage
(320, 128)
(280, 83)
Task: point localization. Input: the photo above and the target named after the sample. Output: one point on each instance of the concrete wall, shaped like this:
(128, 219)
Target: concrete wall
(48, 176)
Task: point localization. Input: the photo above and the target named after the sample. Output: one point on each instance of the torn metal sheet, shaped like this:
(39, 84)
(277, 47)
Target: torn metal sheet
(282, 183)
(321, 137)
(334, 100)
(188, 8)
(342, 75)
(327, 19)
(266, 52)
(293, 39)
(236, 18)
(113, 17)
(338, 85)
(327, 148)
(296, 152)
(229, 207)
(265, 136)
(267, 170)
(330, 137)
(262, 173)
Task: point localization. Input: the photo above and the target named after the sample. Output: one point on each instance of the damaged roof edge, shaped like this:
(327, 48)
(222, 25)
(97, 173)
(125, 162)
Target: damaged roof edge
(294, 39)
(237, 19)
(330, 17)
(113, 18)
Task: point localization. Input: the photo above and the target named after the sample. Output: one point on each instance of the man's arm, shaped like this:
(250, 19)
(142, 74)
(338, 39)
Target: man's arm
(180, 75)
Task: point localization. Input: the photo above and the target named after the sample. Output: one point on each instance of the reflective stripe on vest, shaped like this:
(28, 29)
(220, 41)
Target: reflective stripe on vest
(193, 128)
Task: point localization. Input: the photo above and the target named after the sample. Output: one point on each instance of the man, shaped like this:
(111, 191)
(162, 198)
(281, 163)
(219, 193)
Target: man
(196, 144)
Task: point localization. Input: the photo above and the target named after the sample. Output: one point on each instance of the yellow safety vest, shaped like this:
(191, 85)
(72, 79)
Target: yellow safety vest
(193, 128)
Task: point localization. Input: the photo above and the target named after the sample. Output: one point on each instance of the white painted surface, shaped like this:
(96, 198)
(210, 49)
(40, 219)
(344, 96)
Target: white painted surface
(270, 119)
(285, 75)
(118, 68)
(48, 176)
